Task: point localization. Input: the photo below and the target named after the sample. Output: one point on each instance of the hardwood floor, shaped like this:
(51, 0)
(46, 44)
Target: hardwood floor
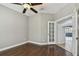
(31, 49)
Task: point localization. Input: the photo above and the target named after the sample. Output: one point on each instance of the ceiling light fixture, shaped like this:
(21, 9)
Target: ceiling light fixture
(26, 6)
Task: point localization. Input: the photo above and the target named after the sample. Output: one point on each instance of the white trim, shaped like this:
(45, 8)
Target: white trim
(13, 46)
(40, 43)
(62, 18)
(37, 43)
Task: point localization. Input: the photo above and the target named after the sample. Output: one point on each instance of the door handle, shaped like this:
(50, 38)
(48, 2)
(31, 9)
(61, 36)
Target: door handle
(77, 38)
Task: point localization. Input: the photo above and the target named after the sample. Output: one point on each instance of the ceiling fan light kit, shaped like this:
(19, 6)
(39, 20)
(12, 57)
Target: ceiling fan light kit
(28, 6)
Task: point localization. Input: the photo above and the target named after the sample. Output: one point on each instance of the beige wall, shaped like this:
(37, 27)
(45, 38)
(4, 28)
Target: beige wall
(35, 28)
(13, 27)
(38, 27)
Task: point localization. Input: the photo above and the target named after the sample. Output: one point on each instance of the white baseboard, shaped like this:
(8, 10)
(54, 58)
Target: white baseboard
(60, 42)
(13, 46)
(37, 43)
(22, 44)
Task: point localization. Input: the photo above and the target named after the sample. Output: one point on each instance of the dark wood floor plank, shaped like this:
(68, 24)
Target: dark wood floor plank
(31, 49)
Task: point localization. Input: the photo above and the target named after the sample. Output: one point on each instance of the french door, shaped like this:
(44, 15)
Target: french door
(51, 32)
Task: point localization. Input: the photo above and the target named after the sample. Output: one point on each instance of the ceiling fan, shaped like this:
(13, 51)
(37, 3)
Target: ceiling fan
(28, 6)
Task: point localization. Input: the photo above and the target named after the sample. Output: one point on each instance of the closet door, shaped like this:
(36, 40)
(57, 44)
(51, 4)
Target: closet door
(50, 32)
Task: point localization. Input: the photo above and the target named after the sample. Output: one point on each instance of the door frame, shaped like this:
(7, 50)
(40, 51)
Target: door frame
(48, 32)
(75, 27)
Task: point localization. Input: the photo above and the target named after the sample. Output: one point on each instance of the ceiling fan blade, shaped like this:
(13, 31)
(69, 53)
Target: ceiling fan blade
(28, 3)
(24, 10)
(17, 3)
(33, 10)
(33, 4)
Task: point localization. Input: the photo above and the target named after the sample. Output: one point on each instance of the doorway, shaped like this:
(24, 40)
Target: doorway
(68, 38)
(64, 33)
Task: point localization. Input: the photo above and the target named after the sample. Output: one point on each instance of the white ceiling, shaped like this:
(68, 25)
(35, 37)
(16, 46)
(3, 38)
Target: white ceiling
(44, 8)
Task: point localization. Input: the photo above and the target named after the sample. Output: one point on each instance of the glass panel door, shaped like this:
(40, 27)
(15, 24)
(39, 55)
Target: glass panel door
(50, 32)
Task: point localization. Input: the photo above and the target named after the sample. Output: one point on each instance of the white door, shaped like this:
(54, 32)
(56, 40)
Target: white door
(77, 32)
(51, 32)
